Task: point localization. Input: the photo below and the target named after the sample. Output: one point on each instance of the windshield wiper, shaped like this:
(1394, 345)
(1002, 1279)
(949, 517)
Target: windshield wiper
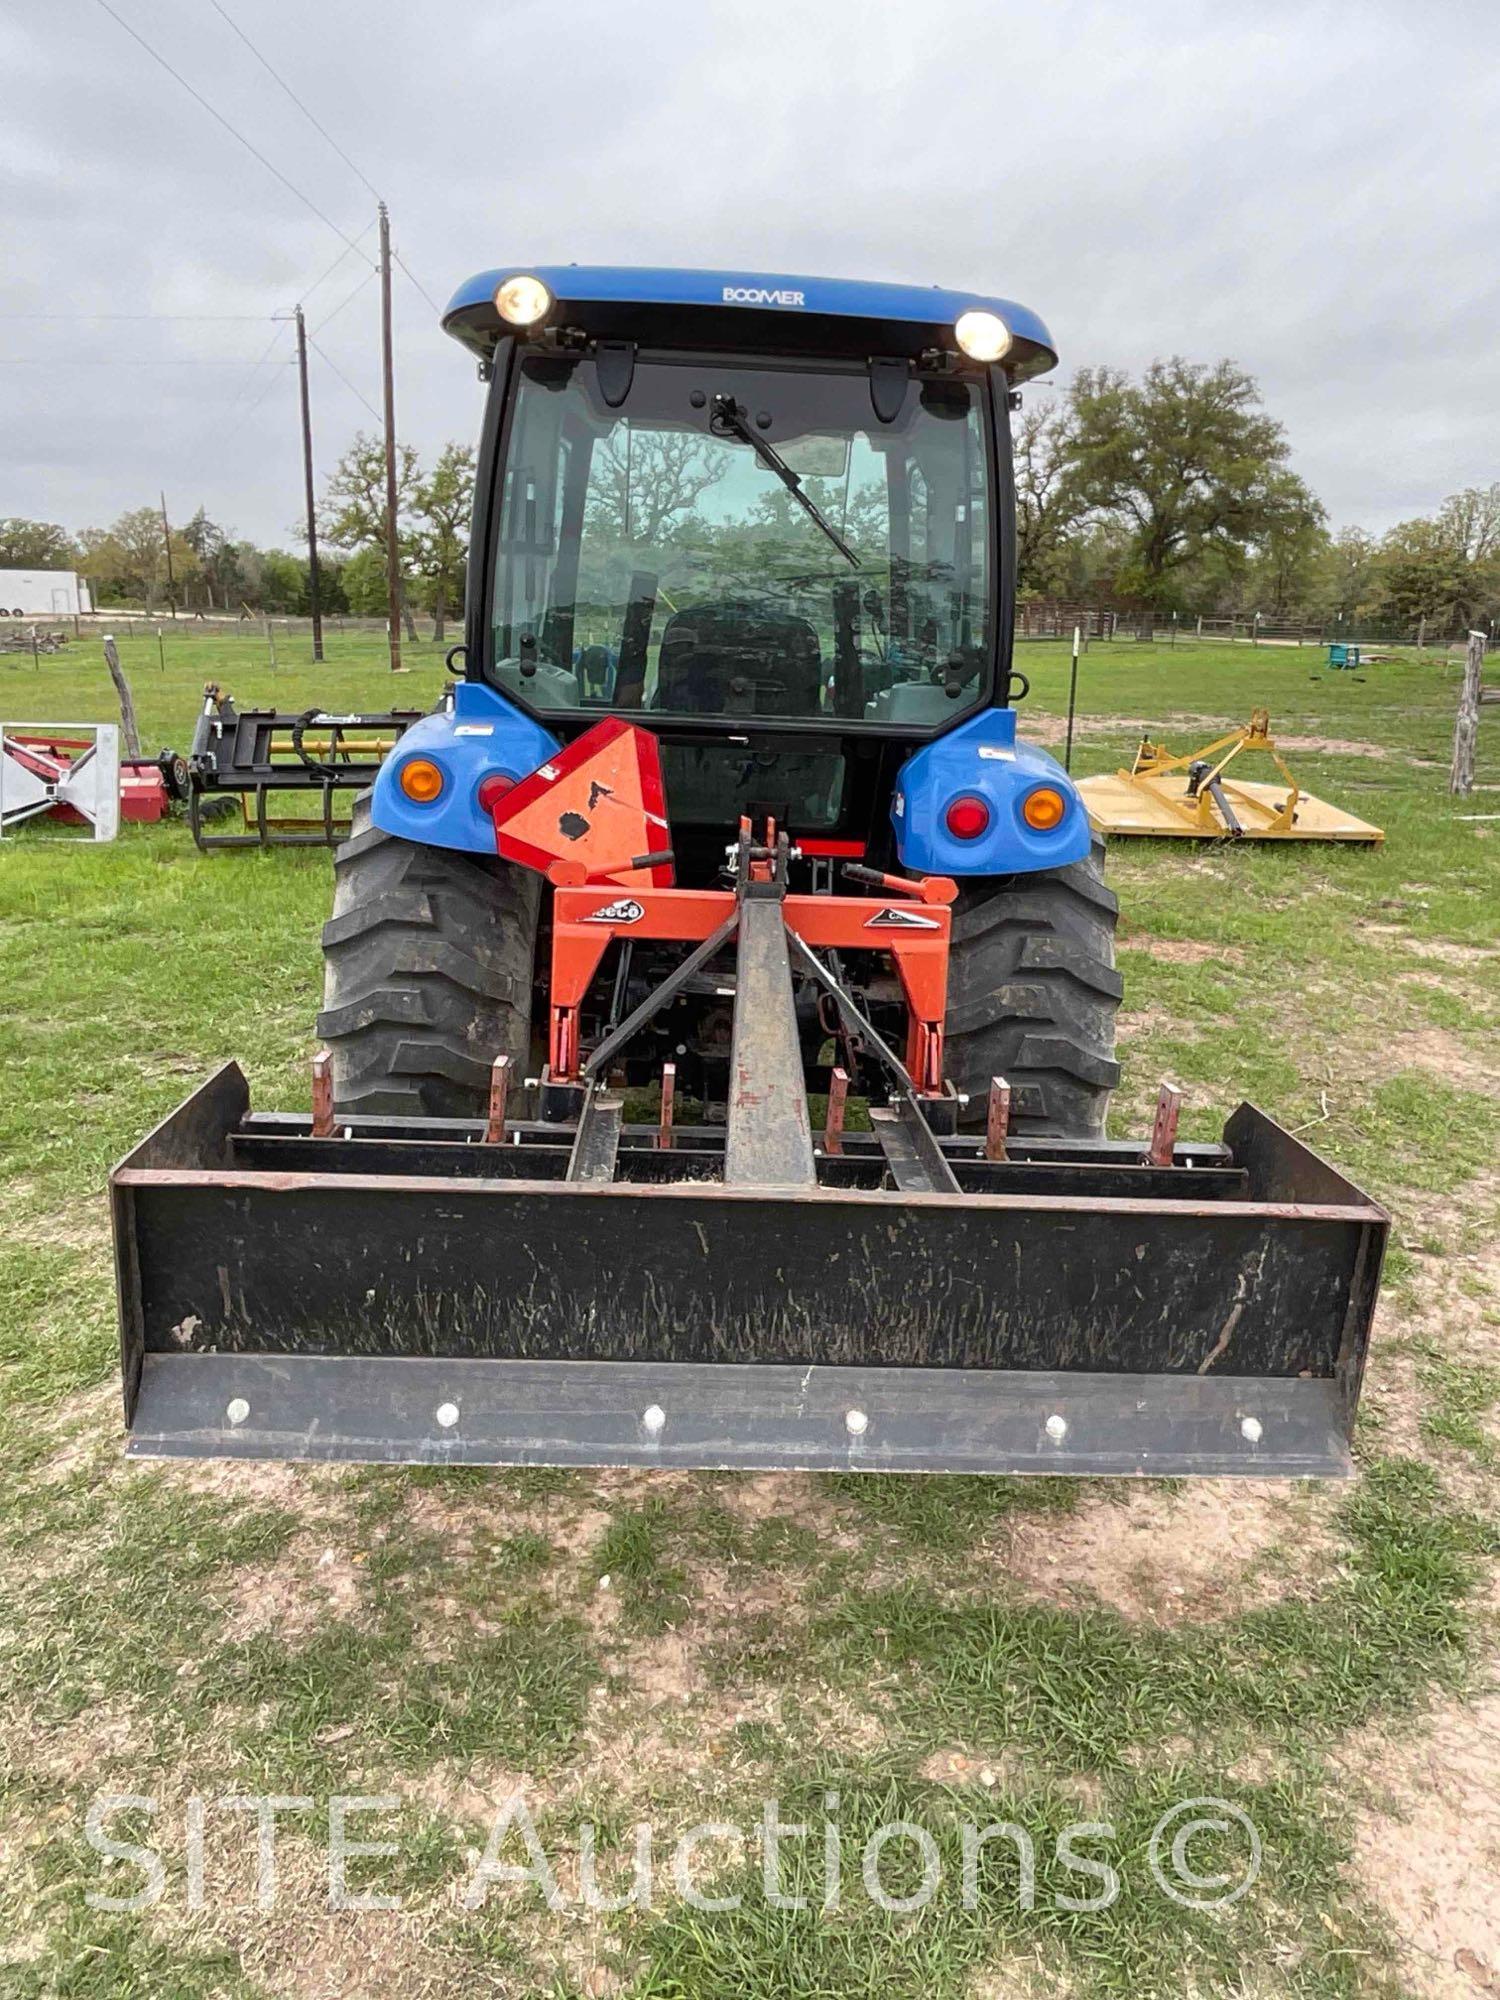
(729, 420)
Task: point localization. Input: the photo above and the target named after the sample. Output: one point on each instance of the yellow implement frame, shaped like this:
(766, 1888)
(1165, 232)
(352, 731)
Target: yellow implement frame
(1190, 798)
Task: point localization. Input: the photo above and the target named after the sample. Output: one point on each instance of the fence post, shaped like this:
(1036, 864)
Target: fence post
(127, 707)
(1466, 728)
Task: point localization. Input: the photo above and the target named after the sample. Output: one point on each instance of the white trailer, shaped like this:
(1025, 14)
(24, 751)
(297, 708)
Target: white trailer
(43, 593)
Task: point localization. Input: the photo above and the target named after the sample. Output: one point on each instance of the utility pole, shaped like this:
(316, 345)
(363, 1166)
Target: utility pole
(307, 473)
(166, 537)
(387, 361)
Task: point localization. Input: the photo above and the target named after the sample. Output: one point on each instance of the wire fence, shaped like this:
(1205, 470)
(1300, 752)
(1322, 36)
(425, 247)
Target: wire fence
(45, 635)
(1056, 619)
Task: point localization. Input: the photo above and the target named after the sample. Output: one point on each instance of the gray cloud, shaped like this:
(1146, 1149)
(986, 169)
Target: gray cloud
(1313, 189)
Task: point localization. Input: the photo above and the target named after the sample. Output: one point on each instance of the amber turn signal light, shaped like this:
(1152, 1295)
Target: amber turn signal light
(421, 780)
(1044, 808)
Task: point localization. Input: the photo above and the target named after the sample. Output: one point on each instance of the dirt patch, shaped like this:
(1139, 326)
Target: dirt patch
(1007, 1772)
(1182, 951)
(81, 1224)
(461, 1517)
(1428, 1854)
(755, 1497)
(1441, 949)
(1183, 733)
(1330, 746)
(85, 1750)
(1193, 729)
(86, 1428)
(456, 1793)
(1440, 1051)
(309, 1583)
(253, 1482)
(303, 1950)
(1215, 1549)
(1392, 1395)
(1135, 1022)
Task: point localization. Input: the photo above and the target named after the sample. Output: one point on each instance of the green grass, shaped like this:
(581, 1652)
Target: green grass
(1093, 1687)
(837, 1633)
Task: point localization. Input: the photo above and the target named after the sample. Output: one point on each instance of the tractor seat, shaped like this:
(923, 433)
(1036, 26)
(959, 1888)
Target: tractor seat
(727, 659)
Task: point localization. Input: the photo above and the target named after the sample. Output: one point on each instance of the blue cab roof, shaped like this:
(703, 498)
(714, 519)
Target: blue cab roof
(471, 315)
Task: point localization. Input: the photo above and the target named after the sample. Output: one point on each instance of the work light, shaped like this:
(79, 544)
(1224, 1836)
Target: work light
(983, 336)
(523, 301)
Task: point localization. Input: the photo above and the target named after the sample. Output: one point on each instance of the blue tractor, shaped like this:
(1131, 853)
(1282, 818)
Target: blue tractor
(720, 998)
(770, 520)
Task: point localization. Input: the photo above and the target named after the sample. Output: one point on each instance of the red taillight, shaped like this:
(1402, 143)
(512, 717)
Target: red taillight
(967, 818)
(493, 789)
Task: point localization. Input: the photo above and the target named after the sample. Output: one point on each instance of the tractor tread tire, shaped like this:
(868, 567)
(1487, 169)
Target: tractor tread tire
(427, 974)
(1032, 997)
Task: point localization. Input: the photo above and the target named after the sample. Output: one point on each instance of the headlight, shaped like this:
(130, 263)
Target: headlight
(523, 301)
(983, 336)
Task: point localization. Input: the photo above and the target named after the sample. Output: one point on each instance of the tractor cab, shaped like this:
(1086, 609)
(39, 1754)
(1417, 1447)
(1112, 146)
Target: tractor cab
(768, 519)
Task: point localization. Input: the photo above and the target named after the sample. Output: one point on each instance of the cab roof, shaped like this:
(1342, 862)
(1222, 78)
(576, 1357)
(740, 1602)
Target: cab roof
(772, 309)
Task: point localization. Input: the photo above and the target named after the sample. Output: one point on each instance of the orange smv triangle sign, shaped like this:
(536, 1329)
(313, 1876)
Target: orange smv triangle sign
(598, 804)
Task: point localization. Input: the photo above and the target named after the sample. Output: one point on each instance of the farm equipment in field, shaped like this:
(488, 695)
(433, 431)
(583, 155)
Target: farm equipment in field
(719, 995)
(69, 772)
(1168, 797)
(249, 754)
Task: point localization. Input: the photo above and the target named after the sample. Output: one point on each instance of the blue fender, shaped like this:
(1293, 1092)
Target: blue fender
(982, 759)
(482, 732)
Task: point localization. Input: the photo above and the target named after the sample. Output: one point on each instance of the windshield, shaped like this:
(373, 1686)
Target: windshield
(727, 538)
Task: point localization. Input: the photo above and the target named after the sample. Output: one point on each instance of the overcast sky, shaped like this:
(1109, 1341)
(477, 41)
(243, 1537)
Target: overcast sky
(1313, 190)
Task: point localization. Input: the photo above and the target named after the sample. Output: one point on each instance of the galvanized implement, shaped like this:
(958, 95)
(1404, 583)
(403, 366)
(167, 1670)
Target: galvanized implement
(68, 772)
(1191, 797)
(254, 752)
(580, 1289)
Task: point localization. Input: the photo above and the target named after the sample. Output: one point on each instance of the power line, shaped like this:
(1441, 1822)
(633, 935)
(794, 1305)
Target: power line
(232, 130)
(173, 318)
(272, 71)
(418, 283)
(318, 282)
(345, 380)
(194, 455)
(250, 412)
(221, 440)
(122, 361)
(348, 300)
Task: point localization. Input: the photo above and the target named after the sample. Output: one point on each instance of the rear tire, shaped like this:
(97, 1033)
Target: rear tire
(427, 974)
(1032, 997)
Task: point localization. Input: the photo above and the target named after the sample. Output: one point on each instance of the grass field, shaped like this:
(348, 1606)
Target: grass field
(680, 1649)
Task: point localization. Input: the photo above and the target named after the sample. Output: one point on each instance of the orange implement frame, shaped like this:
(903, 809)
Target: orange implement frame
(912, 924)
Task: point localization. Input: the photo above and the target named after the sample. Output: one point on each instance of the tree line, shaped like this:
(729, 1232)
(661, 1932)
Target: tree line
(1174, 493)
(1168, 493)
(208, 568)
